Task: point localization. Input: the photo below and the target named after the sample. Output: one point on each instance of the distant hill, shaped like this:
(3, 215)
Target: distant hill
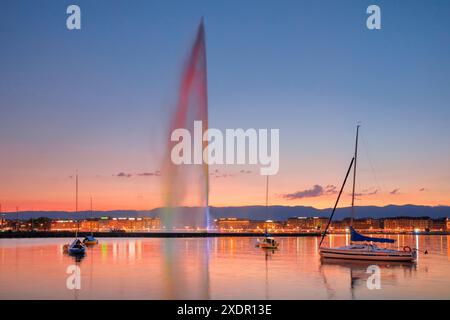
(255, 212)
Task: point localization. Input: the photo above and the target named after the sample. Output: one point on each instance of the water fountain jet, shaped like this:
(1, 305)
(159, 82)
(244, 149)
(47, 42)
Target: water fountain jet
(186, 188)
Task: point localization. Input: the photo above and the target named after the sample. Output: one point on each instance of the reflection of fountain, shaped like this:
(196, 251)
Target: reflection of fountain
(188, 185)
(180, 280)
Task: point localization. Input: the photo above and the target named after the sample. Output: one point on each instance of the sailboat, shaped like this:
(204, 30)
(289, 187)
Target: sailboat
(90, 239)
(76, 247)
(268, 242)
(362, 247)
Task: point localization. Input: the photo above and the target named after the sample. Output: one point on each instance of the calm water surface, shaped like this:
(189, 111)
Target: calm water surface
(219, 268)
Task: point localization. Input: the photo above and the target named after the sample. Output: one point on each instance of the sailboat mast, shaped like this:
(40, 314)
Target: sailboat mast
(76, 203)
(267, 201)
(354, 176)
(92, 215)
(337, 201)
(76, 193)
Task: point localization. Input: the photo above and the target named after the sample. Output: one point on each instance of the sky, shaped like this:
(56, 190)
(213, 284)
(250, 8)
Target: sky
(98, 101)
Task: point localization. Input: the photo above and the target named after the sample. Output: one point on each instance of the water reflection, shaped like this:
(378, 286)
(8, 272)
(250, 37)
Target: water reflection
(216, 268)
(186, 276)
(358, 272)
(448, 247)
(77, 257)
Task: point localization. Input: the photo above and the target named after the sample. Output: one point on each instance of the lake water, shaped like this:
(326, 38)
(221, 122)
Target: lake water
(215, 268)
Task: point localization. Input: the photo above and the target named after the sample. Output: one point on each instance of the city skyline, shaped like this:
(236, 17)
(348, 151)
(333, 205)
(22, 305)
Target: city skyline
(99, 101)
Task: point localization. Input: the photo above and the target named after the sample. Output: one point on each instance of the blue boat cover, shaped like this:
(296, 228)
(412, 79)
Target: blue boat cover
(355, 236)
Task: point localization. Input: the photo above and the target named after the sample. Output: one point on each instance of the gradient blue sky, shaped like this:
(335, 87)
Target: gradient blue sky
(99, 100)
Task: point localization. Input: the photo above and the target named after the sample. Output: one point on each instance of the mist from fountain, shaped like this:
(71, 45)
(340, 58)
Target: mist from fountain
(188, 185)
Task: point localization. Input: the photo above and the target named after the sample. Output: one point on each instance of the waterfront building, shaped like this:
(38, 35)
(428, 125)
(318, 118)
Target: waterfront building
(151, 223)
(407, 224)
(230, 224)
(269, 225)
(128, 224)
(106, 224)
(307, 223)
(89, 225)
(439, 224)
(365, 224)
(63, 225)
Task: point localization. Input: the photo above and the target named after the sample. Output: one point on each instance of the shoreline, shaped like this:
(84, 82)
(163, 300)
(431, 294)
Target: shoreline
(69, 234)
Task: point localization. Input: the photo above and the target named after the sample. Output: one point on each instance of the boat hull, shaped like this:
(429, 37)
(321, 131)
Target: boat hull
(267, 243)
(265, 246)
(371, 256)
(76, 251)
(76, 248)
(90, 243)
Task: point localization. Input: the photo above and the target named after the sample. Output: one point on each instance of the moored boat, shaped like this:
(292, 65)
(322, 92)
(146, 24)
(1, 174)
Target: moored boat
(362, 247)
(90, 240)
(367, 251)
(267, 242)
(77, 248)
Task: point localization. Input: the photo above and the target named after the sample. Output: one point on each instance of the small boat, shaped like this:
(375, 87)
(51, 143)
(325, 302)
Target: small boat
(77, 248)
(268, 242)
(365, 250)
(90, 240)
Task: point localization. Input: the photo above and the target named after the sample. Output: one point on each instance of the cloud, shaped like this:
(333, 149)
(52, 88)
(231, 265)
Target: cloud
(149, 174)
(422, 189)
(218, 174)
(141, 174)
(366, 193)
(123, 175)
(330, 189)
(225, 175)
(315, 191)
(395, 191)
(214, 173)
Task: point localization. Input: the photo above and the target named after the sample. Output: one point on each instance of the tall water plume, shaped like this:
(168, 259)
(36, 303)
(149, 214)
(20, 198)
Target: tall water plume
(188, 185)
